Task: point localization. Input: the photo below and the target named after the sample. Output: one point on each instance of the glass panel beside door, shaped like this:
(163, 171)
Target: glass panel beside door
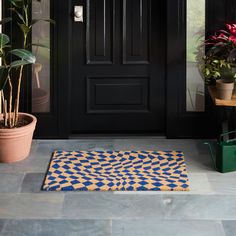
(41, 69)
(195, 89)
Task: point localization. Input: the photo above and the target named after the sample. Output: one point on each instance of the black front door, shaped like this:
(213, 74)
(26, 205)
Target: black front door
(117, 67)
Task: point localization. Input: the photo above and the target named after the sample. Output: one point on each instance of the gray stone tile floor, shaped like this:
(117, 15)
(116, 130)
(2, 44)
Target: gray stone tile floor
(208, 209)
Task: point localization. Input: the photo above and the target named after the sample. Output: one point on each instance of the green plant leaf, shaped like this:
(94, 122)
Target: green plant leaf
(217, 74)
(17, 3)
(18, 14)
(5, 20)
(4, 40)
(3, 77)
(24, 55)
(24, 28)
(18, 63)
(7, 46)
(40, 45)
(207, 71)
(34, 21)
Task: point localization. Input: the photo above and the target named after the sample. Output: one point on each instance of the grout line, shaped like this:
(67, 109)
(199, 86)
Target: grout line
(223, 228)
(111, 227)
(6, 221)
(21, 182)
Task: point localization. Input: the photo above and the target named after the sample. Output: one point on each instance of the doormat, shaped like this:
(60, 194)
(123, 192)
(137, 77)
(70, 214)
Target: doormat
(117, 171)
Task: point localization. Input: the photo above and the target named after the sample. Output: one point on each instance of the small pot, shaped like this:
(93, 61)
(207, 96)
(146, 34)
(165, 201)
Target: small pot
(224, 89)
(40, 100)
(15, 143)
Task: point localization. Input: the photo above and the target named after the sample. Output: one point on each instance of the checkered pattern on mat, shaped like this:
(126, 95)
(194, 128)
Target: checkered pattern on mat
(117, 171)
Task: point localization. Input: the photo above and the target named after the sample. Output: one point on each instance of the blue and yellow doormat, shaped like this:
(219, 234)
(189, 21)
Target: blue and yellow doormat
(117, 171)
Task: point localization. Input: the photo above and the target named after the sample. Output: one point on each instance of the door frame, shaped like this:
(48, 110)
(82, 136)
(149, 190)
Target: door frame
(179, 123)
(175, 61)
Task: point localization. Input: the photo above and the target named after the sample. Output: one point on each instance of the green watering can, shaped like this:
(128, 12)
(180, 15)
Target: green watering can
(223, 153)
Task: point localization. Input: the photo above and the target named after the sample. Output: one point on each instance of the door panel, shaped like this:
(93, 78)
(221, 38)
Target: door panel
(117, 65)
(99, 31)
(136, 31)
(117, 95)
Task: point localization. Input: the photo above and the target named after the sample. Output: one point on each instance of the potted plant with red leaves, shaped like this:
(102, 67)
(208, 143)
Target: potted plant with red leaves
(219, 63)
(16, 129)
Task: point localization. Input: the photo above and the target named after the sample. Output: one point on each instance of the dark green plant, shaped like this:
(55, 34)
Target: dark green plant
(15, 59)
(215, 68)
(220, 58)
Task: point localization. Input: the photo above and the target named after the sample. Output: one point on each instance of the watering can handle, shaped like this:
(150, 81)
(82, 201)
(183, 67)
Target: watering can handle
(227, 133)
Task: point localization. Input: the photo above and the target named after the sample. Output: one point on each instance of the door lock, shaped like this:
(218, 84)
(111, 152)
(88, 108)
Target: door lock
(78, 14)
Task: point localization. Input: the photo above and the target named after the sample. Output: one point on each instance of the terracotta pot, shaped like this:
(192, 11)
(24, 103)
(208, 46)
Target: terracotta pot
(224, 89)
(15, 143)
(40, 100)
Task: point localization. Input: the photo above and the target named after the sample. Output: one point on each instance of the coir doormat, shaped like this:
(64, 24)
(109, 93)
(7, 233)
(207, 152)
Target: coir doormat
(117, 171)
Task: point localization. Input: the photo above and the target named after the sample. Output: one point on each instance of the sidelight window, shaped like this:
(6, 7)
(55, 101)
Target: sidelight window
(196, 17)
(41, 69)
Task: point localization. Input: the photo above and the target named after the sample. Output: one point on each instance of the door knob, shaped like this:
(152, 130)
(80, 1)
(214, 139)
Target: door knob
(78, 14)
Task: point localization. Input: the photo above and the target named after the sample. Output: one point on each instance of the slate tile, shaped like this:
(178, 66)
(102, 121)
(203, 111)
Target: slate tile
(229, 227)
(112, 206)
(223, 183)
(32, 183)
(128, 206)
(2, 225)
(10, 182)
(152, 227)
(57, 228)
(205, 207)
(31, 206)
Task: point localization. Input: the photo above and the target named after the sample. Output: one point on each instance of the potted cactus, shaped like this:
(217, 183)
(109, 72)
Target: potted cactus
(16, 129)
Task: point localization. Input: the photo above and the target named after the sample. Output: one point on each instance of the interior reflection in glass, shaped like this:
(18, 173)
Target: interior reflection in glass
(41, 69)
(195, 35)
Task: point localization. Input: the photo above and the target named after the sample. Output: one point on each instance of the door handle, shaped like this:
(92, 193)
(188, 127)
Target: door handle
(78, 14)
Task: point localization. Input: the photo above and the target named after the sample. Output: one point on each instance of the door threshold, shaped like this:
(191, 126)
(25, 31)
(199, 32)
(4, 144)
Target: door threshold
(118, 136)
